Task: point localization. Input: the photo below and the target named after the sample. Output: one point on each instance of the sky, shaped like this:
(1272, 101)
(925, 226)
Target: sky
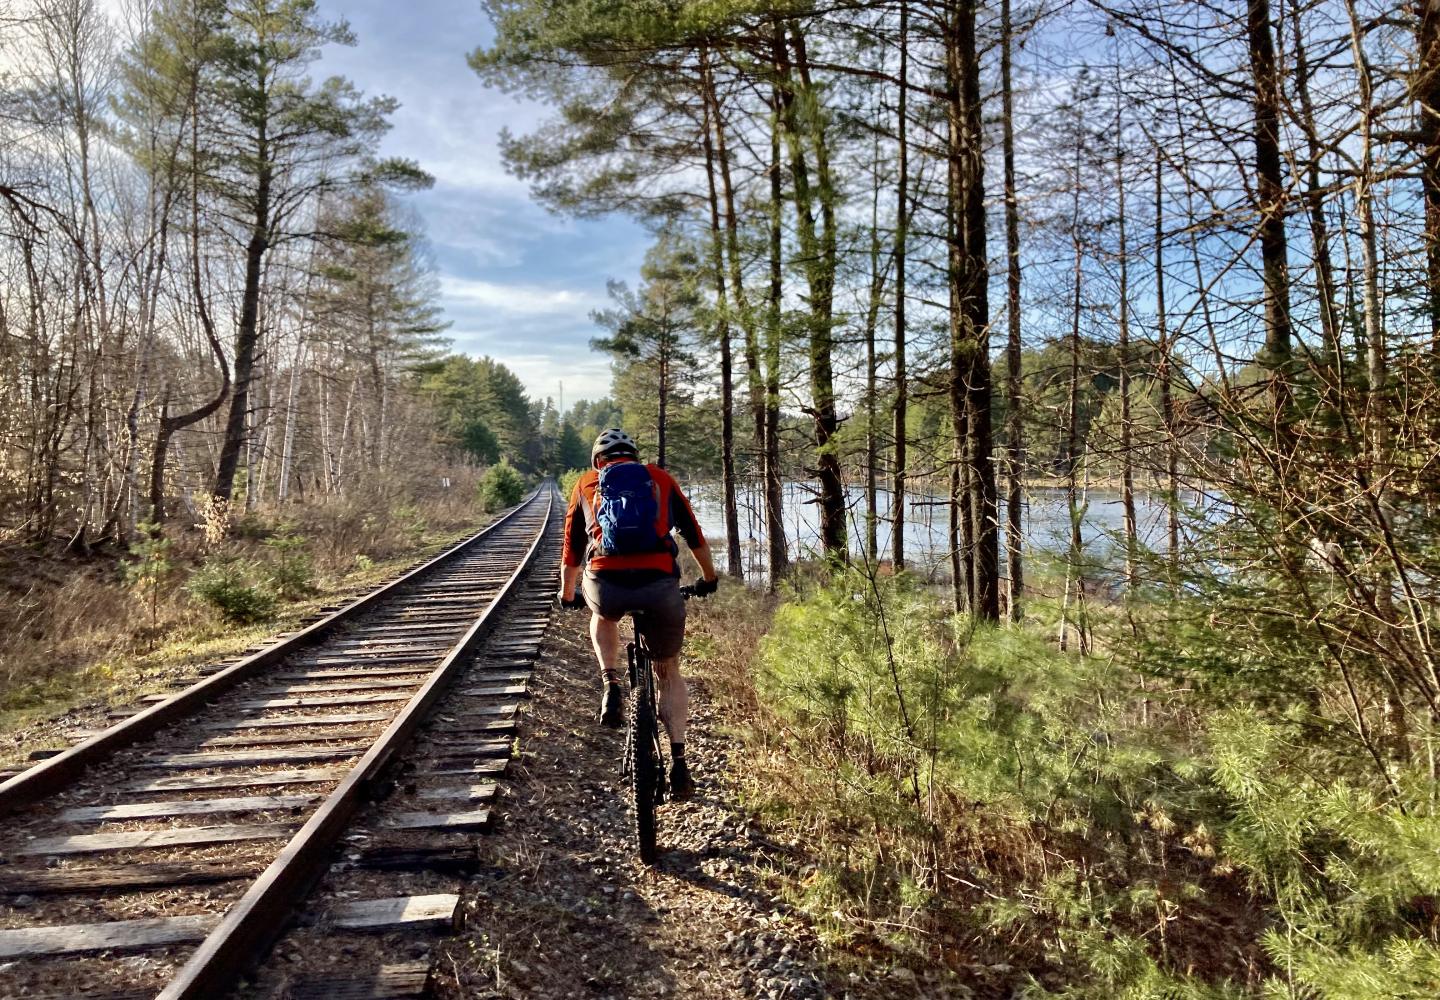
(517, 282)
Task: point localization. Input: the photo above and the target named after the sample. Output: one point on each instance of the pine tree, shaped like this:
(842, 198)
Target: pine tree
(274, 140)
(652, 330)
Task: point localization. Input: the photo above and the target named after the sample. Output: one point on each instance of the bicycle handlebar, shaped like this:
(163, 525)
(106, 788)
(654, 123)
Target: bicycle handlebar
(693, 590)
(688, 591)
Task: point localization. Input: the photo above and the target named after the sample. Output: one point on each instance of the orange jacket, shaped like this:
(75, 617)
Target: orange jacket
(582, 530)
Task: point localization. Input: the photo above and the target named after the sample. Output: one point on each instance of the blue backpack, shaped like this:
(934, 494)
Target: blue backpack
(627, 510)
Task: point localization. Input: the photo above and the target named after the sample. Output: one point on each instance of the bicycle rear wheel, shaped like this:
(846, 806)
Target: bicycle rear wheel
(644, 773)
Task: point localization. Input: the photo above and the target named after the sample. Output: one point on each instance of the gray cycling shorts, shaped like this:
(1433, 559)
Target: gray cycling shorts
(660, 607)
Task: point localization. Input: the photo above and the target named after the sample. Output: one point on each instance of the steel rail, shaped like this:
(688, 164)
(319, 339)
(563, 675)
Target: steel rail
(50, 776)
(252, 924)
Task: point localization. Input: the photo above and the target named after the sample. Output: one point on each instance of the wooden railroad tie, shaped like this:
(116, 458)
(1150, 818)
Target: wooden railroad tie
(477, 724)
(253, 758)
(289, 721)
(474, 819)
(186, 807)
(215, 782)
(389, 982)
(115, 935)
(497, 691)
(505, 708)
(87, 880)
(317, 702)
(445, 860)
(468, 793)
(141, 840)
(438, 911)
(479, 769)
(250, 739)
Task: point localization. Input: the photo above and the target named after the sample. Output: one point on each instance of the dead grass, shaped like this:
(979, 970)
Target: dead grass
(78, 635)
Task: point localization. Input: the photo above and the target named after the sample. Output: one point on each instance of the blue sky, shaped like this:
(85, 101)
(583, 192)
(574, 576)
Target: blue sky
(517, 282)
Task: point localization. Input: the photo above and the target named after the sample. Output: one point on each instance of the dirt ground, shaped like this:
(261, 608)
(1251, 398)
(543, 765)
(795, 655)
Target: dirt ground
(565, 909)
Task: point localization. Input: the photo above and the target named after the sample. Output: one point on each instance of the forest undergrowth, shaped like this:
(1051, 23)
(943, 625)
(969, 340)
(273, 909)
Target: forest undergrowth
(1020, 821)
(117, 624)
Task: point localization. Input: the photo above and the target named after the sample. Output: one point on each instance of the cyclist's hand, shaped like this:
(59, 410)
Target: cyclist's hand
(704, 588)
(573, 603)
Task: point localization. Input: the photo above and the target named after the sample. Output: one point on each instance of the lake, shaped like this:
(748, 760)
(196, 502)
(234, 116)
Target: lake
(1046, 523)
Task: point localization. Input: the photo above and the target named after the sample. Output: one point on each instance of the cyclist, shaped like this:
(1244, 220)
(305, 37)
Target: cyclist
(617, 533)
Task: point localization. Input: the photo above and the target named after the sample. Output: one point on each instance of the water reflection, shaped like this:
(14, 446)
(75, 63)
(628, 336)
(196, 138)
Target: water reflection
(1046, 522)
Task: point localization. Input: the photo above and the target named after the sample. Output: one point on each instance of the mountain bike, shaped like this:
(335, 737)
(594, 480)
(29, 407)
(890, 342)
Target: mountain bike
(644, 763)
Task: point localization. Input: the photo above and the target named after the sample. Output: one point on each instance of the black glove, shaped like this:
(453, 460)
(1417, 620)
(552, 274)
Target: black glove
(704, 588)
(571, 603)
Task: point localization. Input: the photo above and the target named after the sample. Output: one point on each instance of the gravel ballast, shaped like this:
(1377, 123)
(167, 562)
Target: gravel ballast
(564, 908)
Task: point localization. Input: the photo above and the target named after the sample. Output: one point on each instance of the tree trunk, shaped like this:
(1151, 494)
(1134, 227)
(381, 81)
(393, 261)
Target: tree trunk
(779, 556)
(170, 425)
(80, 539)
(247, 334)
(955, 540)
(157, 464)
(1167, 398)
(970, 328)
(1073, 569)
(1127, 432)
(375, 348)
(1270, 190)
(150, 287)
(662, 415)
(754, 378)
(902, 222)
(1377, 410)
(347, 415)
(287, 447)
(259, 454)
(1014, 424)
(872, 319)
(958, 540)
(722, 332)
(1315, 203)
(1375, 361)
(1427, 97)
(819, 250)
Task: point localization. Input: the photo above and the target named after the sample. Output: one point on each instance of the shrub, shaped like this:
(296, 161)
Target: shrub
(567, 482)
(152, 565)
(948, 744)
(502, 487)
(214, 519)
(290, 570)
(229, 585)
(412, 524)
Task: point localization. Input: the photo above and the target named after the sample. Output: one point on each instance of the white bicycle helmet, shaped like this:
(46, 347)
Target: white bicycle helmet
(611, 443)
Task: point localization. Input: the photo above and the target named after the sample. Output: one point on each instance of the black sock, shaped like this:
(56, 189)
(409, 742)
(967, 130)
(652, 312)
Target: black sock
(677, 751)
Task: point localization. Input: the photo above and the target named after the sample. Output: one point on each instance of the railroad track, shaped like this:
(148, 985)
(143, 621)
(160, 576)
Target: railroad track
(165, 855)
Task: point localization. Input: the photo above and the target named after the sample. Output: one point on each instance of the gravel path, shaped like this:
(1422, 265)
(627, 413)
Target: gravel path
(566, 910)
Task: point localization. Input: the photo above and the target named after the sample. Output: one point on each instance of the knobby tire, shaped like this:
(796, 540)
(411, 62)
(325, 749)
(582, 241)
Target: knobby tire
(645, 774)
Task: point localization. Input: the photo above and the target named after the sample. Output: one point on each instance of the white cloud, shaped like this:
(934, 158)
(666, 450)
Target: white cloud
(518, 299)
(517, 282)
(585, 377)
